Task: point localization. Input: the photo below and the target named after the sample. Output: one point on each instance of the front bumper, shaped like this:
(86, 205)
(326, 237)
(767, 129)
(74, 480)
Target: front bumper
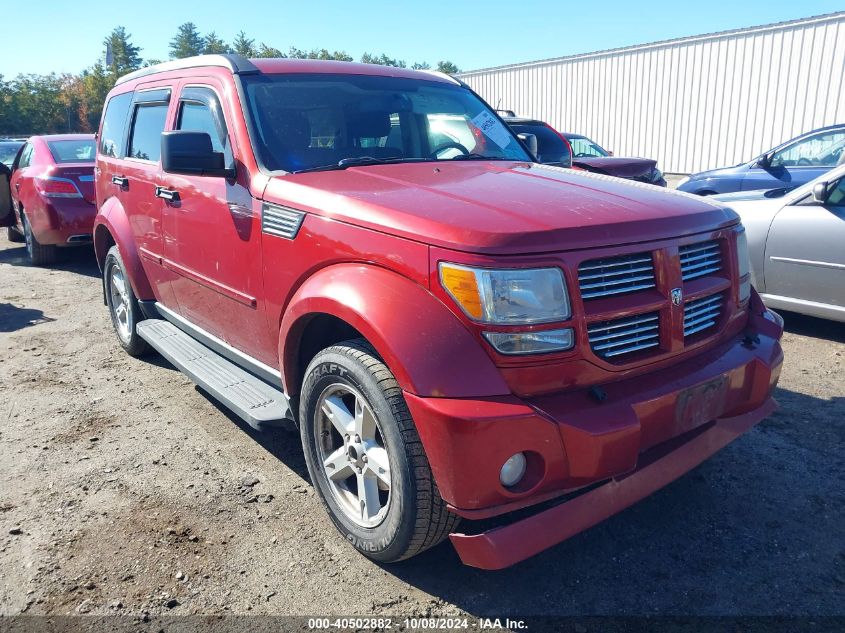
(641, 437)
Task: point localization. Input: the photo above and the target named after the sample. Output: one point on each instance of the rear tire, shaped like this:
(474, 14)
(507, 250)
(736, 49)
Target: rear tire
(123, 306)
(349, 392)
(39, 254)
(13, 235)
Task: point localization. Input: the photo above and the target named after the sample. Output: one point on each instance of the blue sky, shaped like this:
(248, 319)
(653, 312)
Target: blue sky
(66, 36)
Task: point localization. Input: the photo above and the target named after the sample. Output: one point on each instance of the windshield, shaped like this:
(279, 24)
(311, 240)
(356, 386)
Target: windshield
(75, 151)
(8, 151)
(582, 147)
(308, 121)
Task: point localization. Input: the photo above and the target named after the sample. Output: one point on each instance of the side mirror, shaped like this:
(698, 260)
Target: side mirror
(764, 162)
(609, 153)
(191, 153)
(820, 192)
(530, 141)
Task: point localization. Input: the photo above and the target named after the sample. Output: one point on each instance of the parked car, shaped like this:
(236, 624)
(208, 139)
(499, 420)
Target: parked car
(795, 242)
(8, 150)
(589, 155)
(790, 164)
(575, 150)
(52, 195)
(458, 331)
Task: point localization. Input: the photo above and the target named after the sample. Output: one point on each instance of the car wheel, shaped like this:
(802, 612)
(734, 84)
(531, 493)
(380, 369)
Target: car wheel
(13, 235)
(365, 458)
(123, 306)
(39, 254)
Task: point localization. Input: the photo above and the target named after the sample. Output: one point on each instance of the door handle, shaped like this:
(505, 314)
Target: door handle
(17, 186)
(167, 194)
(120, 181)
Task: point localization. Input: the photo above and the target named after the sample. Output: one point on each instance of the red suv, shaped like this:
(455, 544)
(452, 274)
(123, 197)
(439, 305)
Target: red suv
(457, 331)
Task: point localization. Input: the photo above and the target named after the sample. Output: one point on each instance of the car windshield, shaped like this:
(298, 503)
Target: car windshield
(72, 151)
(325, 121)
(582, 147)
(8, 151)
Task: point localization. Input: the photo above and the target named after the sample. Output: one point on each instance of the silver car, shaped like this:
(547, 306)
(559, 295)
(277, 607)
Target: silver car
(796, 244)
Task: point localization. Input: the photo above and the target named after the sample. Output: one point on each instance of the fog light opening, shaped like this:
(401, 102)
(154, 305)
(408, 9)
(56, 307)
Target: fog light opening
(513, 470)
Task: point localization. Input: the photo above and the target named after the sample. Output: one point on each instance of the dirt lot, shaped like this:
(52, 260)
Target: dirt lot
(123, 489)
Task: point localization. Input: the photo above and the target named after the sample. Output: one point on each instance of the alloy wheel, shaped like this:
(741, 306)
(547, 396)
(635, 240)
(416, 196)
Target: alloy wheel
(119, 295)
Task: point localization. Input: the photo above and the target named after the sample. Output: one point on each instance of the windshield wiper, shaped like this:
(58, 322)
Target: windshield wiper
(358, 161)
(476, 156)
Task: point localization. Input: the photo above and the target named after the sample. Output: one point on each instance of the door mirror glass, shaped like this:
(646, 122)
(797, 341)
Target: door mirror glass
(191, 153)
(530, 141)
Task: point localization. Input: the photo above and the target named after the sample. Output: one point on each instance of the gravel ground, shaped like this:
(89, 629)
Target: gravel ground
(123, 489)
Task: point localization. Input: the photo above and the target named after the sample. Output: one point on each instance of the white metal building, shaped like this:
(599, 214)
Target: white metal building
(693, 103)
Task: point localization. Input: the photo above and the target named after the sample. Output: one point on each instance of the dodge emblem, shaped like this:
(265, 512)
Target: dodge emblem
(677, 296)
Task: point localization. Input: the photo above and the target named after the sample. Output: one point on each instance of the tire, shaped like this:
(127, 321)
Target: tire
(39, 254)
(13, 235)
(412, 516)
(123, 306)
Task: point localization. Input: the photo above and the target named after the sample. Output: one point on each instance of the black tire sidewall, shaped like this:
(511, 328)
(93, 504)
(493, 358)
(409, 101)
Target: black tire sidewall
(389, 540)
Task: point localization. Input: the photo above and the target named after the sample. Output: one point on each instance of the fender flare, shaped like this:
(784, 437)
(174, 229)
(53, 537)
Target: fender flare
(112, 220)
(431, 353)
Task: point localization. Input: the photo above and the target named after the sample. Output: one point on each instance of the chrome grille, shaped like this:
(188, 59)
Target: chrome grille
(281, 221)
(622, 336)
(701, 314)
(698, 260)
(615, 275)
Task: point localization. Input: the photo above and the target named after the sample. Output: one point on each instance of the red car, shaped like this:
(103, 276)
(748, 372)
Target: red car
(459, 332)
(52, 188)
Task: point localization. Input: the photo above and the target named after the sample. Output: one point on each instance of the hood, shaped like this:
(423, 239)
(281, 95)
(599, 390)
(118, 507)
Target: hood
(619, 166)
(757, 194)
(498, 207)
(720, 172)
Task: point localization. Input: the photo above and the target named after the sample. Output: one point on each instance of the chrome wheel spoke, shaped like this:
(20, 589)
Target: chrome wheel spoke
(337, 413)
(368, 496)
(379, 466)
(365, 422)
(337, 465)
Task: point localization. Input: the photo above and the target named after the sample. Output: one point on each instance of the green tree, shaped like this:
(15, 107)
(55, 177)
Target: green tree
(265, 50)
(214, 44)
(382, 59)
(243, 45)
(187, 42)
(125, 56)
(421, 66)
(448, 67)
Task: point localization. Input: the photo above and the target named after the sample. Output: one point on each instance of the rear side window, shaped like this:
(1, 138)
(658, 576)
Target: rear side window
(114, 123)
(145, 140)
(81, 151)
(26, 156)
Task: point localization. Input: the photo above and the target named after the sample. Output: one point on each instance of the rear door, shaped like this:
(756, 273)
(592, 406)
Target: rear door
(805, 250)
(798, 162)
(20, 186)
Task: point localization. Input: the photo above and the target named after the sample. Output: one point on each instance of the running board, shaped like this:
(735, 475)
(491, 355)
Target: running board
(256, 402)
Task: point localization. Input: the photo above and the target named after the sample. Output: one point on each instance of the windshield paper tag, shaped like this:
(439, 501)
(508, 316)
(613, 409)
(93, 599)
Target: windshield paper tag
(488, 124)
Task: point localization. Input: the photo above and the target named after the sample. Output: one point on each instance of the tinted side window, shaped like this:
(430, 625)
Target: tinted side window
(148, 124)
(26, 156)
(197, 117)
(551, 148)
(205, 115)
(114, 123)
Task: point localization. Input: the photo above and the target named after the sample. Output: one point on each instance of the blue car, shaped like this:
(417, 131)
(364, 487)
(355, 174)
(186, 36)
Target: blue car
(791, 164)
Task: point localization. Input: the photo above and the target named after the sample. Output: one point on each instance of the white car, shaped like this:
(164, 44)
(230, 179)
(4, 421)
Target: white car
(796, 244)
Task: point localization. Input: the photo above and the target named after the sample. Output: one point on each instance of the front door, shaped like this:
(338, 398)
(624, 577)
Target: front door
(805, 250)
(212, 233)
(797, 163)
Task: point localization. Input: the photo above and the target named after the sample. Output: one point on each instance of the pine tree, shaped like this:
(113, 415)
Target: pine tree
(125, 56)
(448, 67)
(214, 44)
(243, 45)
(188, 42)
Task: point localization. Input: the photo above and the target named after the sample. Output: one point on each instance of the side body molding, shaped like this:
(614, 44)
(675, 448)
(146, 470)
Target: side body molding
(428, 349)
(112, 218)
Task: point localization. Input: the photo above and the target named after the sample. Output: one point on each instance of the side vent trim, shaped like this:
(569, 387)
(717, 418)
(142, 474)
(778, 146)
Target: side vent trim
(281, 221)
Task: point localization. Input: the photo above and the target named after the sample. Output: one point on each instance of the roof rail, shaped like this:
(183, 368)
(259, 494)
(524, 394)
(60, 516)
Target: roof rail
(238, 64)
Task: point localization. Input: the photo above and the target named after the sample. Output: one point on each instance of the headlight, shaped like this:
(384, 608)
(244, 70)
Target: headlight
(517, 296)
(743, 264)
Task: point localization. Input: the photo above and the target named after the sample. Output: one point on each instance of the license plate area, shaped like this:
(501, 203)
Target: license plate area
(701, 404)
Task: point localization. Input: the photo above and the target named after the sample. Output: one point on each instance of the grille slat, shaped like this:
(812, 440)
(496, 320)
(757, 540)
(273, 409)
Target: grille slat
(699, 260)
(623, 336)
(615, 275)
(701, 314)
(281, 221)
